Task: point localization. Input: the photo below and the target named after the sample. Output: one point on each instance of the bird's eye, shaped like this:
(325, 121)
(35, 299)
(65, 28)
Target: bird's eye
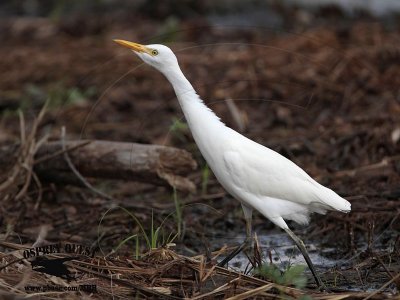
(154, 52)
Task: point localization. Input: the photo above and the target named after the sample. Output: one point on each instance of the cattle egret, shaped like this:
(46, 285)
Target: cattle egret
(257, 176)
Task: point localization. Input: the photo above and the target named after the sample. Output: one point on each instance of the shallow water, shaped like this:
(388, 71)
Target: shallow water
(283, 251)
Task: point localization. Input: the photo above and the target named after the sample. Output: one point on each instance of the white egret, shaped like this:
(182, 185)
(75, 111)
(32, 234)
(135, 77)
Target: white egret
(257, 176)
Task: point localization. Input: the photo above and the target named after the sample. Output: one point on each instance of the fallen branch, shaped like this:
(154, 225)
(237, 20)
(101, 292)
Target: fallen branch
(159, 165)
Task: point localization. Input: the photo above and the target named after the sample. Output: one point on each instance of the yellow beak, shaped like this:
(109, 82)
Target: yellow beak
(134, 46)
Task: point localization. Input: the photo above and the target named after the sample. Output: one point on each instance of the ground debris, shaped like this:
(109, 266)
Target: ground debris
(161, 273)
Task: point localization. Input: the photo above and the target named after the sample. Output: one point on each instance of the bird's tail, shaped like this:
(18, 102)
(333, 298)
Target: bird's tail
(333, 201)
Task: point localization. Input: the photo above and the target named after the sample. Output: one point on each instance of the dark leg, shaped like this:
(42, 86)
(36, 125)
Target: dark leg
(299, 243)
(247, 242)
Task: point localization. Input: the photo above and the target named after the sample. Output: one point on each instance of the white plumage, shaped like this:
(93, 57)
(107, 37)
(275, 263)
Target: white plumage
(257, 176)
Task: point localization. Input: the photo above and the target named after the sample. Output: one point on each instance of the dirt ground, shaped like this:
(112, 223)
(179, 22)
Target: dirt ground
(327, 97)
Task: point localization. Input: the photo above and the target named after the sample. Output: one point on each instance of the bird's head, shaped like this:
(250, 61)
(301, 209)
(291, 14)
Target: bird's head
(159, 56)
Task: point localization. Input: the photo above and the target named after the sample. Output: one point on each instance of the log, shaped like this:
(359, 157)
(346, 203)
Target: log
(155, 164)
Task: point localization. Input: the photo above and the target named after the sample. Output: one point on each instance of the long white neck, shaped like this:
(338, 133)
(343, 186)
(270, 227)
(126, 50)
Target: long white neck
(197, 114)
(203, 123)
